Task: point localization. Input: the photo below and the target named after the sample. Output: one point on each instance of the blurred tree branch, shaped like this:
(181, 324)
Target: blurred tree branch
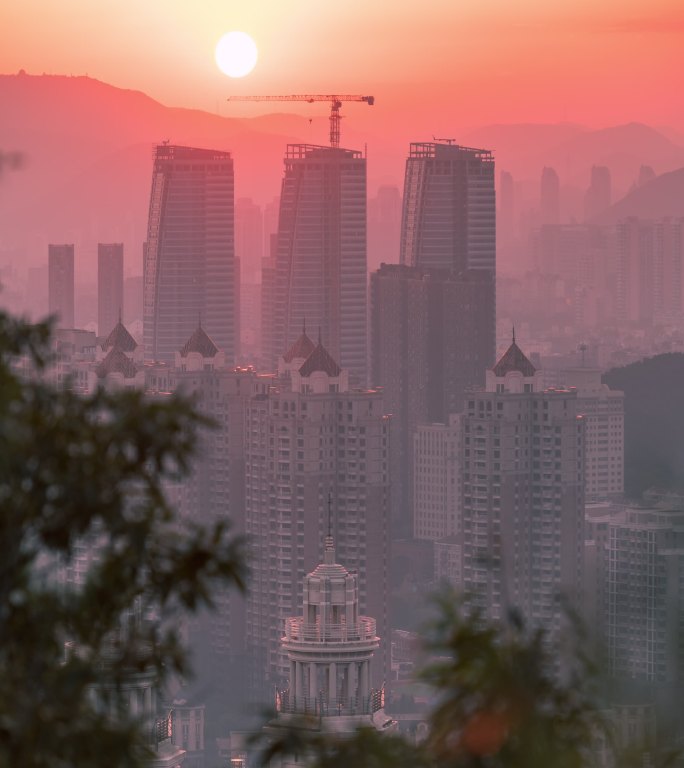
(91, 471)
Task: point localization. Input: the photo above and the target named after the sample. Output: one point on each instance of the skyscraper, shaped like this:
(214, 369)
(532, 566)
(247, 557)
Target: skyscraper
(432, 338)
(598, 196)
(433, 316)
(449, 214)
(61, 284)
(249, 238)
(109, 286)
(449, 229)
(523, 494)
(191, 273)
(384, 223)
(320, 257)
(214, 491)
(506, 213)
(549, 197)
(316, 458)
(650, 265)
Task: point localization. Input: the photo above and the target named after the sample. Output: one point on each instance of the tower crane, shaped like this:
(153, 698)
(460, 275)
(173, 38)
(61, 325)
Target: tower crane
(335, 106)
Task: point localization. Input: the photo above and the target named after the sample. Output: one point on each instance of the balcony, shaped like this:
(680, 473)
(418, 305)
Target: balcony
(299, 631)
(320, 705)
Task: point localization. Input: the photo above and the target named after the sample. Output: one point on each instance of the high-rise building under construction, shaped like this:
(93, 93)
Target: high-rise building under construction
(433, 316)
(319, 264)
(449, 215)
(191, 272)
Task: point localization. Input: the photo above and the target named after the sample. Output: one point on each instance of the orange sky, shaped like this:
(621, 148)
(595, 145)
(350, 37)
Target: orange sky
(449, 63)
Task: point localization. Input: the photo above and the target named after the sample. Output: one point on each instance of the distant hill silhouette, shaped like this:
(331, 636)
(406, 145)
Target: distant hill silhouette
(89, 154)
(623, 148)
(660, 197)
(572, 149)
(88, 148)
(654, 422)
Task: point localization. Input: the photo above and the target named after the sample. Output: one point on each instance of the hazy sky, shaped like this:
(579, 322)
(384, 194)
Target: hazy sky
(590, 61)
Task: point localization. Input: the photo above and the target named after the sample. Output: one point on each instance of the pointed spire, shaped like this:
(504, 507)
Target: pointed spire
(301, 349)
(514, 360)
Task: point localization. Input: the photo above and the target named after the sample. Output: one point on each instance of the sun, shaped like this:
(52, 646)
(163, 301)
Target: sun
(236, 54)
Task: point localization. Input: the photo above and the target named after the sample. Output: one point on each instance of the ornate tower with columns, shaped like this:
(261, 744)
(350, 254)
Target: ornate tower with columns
(329, 648)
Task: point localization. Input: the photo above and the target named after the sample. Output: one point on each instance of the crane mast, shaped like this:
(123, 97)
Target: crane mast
(335, 106)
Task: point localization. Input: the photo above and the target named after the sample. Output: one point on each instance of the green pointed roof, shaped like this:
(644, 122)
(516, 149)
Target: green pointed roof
(116, 361)
(514, 360)
(120, 338)
(301, 349)
(200, 342)
(320, 360)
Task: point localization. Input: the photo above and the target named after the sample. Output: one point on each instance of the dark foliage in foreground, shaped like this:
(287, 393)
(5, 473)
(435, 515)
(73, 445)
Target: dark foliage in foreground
(500, 702)
(90, 470)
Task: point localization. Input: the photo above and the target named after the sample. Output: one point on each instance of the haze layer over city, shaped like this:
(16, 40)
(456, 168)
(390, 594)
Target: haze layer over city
(423, 269)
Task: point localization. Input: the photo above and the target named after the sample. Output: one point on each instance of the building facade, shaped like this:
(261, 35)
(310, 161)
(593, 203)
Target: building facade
(316, 457)
(432, 340)
(449, 208)
(650, 254)
(110, 296)
(191, 273)
(523, 494)
(61, 284)
(549, 197)
(604, 416)
(319, 263)
(437, 480)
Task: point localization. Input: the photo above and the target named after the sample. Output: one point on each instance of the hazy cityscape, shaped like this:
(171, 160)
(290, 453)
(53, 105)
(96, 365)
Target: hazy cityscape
(434, 361)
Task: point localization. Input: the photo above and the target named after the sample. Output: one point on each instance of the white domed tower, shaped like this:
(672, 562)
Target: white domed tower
(329, 648)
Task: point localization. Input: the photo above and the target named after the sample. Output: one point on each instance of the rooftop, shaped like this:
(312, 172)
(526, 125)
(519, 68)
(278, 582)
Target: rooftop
(200, 342)
(514, 360)
(116, 361)
(120, 338)
(302, 348)
(320, 360)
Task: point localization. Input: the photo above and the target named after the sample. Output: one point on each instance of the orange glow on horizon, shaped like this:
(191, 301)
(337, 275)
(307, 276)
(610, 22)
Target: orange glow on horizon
(465, 64)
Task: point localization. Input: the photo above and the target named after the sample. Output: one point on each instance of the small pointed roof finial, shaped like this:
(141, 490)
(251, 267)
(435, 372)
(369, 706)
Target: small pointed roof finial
(199, 319)
(119, 313)
(514, 333)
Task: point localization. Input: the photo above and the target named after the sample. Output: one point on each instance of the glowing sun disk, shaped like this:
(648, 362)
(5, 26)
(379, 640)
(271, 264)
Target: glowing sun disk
(236, 54)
